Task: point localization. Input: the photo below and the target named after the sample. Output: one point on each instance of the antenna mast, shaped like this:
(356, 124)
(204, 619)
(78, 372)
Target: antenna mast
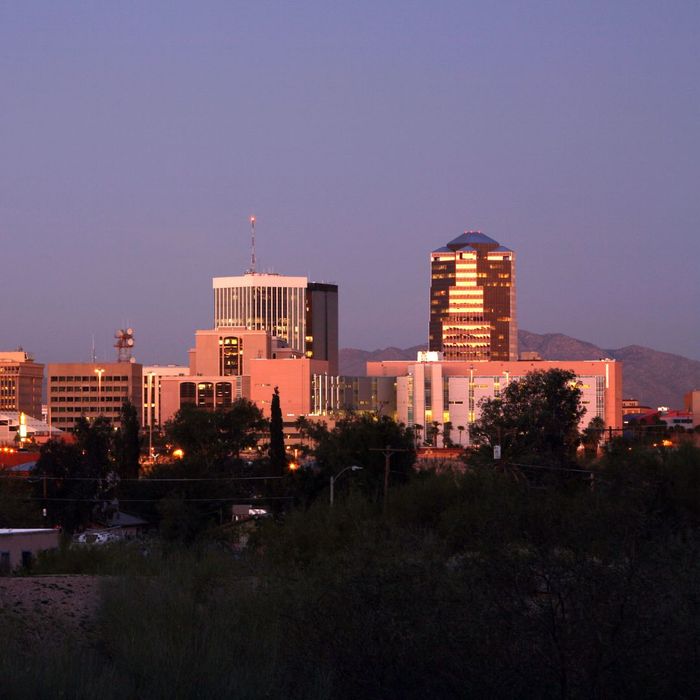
(252, 244)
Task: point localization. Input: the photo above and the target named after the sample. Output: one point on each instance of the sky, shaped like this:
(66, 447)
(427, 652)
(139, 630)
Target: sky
(137, 138)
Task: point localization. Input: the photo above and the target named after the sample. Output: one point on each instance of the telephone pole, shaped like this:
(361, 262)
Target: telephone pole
(387, 452)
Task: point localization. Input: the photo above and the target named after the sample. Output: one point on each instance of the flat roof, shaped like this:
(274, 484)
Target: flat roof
(259, 280)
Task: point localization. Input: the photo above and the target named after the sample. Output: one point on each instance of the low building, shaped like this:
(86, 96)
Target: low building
(92, 389)
(632, 407)
(677, 419)
(14, 426)
(152, 376)
(437, 391)
(18, 547)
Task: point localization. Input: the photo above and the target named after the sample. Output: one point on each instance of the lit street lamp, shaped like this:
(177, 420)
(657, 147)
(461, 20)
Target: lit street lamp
(151, 401)
(352, 467)
(99, 372)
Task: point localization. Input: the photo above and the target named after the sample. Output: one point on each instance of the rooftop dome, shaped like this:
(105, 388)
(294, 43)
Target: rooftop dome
(471, 238)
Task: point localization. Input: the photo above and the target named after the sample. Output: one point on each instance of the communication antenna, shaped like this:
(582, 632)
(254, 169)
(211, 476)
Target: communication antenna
(94, 354)
(252, 244)
(124, 344)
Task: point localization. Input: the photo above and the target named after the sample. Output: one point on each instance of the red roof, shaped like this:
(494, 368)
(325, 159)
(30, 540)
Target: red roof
(12, 459)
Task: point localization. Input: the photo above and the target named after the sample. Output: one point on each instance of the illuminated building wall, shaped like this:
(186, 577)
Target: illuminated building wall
(442, 391)
(92, 389)
(152, 376)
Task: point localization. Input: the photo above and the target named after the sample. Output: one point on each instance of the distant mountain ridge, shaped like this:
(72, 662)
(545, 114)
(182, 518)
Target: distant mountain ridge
(655, 378)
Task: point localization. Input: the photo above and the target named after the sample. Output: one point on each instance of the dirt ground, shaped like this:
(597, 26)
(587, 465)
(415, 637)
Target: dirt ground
(50, 608)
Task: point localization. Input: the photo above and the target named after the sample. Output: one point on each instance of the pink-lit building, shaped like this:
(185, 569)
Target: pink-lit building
(433, 390)
(293, 378)
(229, 363)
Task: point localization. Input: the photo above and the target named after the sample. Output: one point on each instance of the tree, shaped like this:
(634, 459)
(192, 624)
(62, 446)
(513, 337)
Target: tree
(460, 429)
(278, 458)
(359, 440)
(535, 420)
(127, 443)
(447, 434)
(432, 433)
(417, 430)
(73, 480)
(212, 437)
(592, 435)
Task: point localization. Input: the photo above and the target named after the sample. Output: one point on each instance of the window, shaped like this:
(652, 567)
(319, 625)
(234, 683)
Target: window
(188, 393)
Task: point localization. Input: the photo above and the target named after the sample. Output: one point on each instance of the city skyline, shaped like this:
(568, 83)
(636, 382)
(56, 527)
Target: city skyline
(138, 140)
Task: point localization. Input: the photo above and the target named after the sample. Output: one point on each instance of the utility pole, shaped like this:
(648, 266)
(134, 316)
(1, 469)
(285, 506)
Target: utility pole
(387, 452)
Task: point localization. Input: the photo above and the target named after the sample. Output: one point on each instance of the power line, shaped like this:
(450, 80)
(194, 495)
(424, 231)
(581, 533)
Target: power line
(241, 499)
(141, 481)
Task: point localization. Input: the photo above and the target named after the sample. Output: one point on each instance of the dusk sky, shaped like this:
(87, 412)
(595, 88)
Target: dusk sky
(137, 138)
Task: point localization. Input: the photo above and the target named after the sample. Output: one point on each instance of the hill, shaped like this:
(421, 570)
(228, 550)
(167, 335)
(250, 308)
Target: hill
(655, 378)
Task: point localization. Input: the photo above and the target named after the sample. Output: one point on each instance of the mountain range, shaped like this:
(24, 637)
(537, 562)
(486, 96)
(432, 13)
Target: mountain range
(654, 378)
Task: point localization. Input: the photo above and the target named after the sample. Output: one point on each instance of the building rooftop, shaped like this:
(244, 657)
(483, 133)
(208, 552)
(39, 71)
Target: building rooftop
(471, 238)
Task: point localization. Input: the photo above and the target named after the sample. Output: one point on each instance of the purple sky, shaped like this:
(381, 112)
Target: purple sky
(136, 139)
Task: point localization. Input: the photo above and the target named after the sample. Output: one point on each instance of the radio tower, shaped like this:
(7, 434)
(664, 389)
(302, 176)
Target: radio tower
(252, 245)
(124, 344)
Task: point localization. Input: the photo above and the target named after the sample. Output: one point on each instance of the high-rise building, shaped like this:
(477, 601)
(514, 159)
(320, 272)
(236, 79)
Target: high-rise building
(303, 314)
(472, 300)
(20, 383)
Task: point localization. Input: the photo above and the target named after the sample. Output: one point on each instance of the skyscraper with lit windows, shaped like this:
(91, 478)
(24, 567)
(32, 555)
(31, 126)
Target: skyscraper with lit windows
(472, 300)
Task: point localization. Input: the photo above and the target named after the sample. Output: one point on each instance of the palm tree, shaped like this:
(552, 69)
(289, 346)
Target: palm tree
(447, 434)
(461, 430)
(417, 430)
(433, 432)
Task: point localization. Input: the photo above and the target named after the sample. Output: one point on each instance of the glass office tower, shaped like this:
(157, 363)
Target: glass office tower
(472, 300)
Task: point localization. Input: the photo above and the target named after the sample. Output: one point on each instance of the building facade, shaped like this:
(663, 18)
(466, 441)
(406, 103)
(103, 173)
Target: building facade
(442, 392)
(229, 363)
(92, 389)
(152, 375)
(20, 383)
(472, 300)
(303, 314)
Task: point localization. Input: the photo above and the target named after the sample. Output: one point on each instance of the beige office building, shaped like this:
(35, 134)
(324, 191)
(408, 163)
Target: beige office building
(92, 389)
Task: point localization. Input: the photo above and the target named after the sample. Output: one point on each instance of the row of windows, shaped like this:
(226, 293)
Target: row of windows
(79, 399)
(89, 389)
(84, 409)
(90, 378)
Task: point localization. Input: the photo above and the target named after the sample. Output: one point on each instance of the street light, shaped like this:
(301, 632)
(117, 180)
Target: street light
(99, 372)
(150, 402)
(352, 467)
